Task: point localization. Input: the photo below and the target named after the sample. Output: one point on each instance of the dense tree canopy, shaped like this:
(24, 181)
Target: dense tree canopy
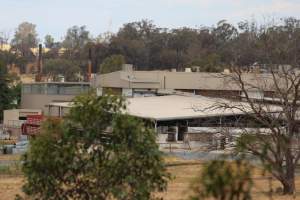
(25, 38)
(76, 38)
(112, 63)
(149, 47)
(49, 41)
(96, 153)
(55, 67)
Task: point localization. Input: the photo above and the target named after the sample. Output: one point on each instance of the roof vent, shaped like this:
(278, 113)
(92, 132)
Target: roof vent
(188, 69)
(127, 67)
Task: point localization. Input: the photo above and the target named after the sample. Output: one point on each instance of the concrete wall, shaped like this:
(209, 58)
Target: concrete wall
(179, 80)
(111, 79)
(38, 101)
(10, 115)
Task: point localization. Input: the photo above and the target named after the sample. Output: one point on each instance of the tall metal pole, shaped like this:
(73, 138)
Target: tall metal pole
(90, 65)
(38, 77)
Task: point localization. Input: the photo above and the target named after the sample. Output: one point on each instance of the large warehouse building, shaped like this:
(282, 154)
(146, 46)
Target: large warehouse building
(176, 117)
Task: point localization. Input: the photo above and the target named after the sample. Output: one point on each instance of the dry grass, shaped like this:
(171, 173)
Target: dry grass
(10, 157)
(184, 174)
(10, 186)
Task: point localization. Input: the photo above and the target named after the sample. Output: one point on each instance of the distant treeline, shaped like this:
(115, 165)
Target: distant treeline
(149, 47)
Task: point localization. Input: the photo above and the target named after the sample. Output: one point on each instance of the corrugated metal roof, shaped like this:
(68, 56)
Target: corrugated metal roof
(172, 107)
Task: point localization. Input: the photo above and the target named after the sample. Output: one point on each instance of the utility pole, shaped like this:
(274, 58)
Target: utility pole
(90, 65)
(38, 76)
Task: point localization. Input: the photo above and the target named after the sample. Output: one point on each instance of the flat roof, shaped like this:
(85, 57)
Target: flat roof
(58, 83)
(24, 110)
(61, 104)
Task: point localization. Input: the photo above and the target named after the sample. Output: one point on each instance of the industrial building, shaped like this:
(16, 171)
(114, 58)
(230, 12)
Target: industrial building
(177, 104)
(130, 83)
(182, 118)
(136, 83)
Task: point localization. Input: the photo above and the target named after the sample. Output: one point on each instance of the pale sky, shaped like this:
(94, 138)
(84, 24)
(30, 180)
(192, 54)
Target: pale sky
(55, 16)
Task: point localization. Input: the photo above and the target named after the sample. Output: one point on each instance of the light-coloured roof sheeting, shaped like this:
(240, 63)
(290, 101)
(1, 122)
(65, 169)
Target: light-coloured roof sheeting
(174, 107)
(61, 104)
(177, 107)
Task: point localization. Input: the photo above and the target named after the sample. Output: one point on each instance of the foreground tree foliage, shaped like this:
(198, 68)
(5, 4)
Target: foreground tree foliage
(225, 180)
(96, 153)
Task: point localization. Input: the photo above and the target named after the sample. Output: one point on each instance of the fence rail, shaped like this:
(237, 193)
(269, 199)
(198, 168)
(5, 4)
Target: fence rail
(14, 123)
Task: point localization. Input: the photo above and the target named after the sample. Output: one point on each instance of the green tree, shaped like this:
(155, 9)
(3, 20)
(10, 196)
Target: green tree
(134, 42)
(95, 153)
(76, 38)
(209, 63)
(180, 41)
(25, 38)
(55, 67)
(112, 63)
(7, 95)
(7, 58)
(49, 41)
(225, 180)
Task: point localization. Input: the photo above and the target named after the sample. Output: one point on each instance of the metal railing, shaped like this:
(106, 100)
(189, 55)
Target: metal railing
(14, 123)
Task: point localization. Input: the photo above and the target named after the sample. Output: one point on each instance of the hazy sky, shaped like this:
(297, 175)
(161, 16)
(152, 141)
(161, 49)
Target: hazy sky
(55, 16)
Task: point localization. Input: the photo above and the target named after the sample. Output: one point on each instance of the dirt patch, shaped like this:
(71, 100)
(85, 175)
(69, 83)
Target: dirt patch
(10, 186)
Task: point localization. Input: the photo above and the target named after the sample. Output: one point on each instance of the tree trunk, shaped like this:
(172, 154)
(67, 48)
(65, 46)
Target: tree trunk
(289, 182)
(289, 187)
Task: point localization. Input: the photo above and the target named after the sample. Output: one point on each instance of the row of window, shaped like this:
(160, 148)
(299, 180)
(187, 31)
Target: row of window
(55, 89)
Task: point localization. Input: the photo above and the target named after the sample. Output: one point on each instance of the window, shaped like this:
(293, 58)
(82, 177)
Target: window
(55, 89)
(37, 89)
(52, 89)
(26, 89)
(69, 89)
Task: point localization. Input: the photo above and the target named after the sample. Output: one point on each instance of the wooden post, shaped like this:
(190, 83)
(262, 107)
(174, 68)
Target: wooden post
(270, 188)
(90, 65)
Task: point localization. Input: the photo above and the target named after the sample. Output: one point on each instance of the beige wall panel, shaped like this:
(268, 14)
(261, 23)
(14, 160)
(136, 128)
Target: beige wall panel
(38, 101)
